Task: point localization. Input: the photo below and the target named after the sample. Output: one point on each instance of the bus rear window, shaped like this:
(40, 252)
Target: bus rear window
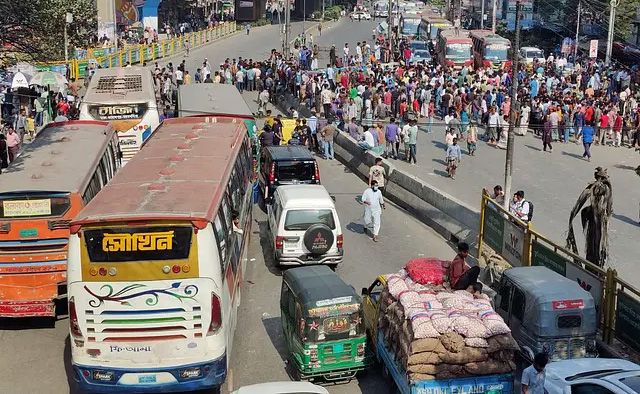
(33, 206)
(118, 245)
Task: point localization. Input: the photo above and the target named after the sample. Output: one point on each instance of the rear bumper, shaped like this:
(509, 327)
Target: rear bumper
(33, 308)
(309, 259)
(169, 379)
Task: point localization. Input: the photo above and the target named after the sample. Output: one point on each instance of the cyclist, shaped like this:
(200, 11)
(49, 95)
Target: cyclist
(453, 157)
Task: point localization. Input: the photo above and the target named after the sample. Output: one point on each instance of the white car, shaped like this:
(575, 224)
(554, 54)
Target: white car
(304, 226)
(529, 54)
(592, 376)
(282, 388)
(361, 15)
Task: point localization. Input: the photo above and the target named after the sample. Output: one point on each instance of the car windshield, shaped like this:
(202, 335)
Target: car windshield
(410, 26)
(422, 54)
(534, 54)
(459, 51)
(418, 45)
(633, 382)
(496, 52)
(302, 219)
(296, 170)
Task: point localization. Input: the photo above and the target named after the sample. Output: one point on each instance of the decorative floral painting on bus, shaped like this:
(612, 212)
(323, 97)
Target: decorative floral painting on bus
(137, 290)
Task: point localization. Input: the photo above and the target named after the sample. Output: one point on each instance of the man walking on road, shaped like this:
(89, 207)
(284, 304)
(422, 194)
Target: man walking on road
(533, 377)
(373, 206)
(377, 174)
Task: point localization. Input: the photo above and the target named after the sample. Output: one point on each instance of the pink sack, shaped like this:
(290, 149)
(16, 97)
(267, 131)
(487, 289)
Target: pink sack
(426, 271)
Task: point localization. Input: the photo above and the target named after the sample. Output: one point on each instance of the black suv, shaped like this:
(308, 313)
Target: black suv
(286, 165)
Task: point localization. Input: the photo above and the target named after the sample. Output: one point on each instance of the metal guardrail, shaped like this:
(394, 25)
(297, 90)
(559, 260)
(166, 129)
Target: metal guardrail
(617, 301)
(139, 54)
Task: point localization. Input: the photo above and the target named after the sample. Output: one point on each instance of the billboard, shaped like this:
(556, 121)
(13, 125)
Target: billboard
(526, 23)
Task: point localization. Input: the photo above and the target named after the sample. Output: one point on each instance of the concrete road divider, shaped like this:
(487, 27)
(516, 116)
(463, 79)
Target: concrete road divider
(450, 217)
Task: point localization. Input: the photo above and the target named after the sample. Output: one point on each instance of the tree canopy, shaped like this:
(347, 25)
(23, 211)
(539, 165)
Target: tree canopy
(34, 29)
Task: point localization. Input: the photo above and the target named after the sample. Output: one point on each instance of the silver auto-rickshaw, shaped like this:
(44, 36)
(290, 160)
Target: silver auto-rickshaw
(548, 313)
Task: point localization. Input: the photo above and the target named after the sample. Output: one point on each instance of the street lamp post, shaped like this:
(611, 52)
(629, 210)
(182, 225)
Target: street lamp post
(508, 164)
(68, 18)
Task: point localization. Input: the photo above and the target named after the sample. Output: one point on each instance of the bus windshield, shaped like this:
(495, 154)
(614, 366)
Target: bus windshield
(410, 27)
(496, 52)
(458, 51)
(29, 206)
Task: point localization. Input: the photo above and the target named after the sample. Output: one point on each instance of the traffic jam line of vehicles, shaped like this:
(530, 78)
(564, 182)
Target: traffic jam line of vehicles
(151, 258)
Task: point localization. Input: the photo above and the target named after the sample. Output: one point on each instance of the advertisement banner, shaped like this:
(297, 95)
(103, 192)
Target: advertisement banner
(27, 208)
(513, 243)
(503, 236)
(135, 56)
(546, 257)
(493, 229)
(593, 49)
(628, 320)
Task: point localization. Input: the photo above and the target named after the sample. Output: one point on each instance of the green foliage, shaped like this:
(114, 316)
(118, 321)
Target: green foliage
(625, 14)
(332, 12)
(35, 28)
(437, 4)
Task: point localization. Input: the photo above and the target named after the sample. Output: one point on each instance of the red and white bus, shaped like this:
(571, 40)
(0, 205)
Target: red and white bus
(490, 50)
(454, 50)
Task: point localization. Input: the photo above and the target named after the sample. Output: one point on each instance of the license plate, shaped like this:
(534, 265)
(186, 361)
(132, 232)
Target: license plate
(338, 348)
(290, 244)
(28, 233)
(145, 379)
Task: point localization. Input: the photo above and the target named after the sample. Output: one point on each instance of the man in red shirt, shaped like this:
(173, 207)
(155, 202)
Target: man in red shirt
(588, 114)
(461, 275)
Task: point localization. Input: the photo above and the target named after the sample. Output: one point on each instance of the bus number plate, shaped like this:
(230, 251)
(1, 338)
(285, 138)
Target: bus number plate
(29, 233)
(147, 379)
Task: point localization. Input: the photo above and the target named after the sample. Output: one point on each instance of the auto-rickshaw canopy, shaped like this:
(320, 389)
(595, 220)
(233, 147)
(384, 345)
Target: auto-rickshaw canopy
(549, 296)
(319, 290)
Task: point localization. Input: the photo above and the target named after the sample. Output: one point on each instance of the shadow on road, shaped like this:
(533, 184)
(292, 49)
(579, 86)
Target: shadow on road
(439, 144)
(439, 161)
(267, 248)
(626, 219)
(27, 323)
(533, 147)
(273, 327)
(441, 173)
(68, 368)
(574, 155)
(355, 227)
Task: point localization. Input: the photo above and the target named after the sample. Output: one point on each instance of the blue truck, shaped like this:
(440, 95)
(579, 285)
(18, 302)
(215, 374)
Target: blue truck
(481, 384)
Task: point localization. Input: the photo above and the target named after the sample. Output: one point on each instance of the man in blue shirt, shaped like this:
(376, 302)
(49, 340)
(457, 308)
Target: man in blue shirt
(587, 139)
(312, 123)
(391, 136)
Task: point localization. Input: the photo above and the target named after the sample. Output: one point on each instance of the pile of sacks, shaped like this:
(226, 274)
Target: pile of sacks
(436, 333)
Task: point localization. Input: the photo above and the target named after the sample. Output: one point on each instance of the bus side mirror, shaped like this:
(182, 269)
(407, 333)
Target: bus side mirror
(365, 291)
(333, 198)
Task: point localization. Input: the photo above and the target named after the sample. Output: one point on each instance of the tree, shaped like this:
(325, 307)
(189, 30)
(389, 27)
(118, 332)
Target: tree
(35, 28)
(625, 14)
(594, 218)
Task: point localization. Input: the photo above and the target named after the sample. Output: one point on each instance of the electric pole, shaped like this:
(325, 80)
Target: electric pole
(575, 50)
(508, 167)
(612, 21)
(287, 28)
(482, 15)
(493, 16)
(304, 15)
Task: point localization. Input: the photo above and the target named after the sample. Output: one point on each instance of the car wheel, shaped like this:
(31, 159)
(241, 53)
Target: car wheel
(318, 239)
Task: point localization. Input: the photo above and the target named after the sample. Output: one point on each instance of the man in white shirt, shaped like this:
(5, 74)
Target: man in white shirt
(345, 55)
(519, 207)
(331, 75)
(493, 125)
(240, 80)
(179, 77)
(373, 206)
(368, 141)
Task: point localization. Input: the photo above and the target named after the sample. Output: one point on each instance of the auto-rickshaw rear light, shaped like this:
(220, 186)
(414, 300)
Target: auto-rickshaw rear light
(73, 319)
(216, 315)
(272, 172)
(279, 241)
(360, 349)
(317, 178)
(339, 241)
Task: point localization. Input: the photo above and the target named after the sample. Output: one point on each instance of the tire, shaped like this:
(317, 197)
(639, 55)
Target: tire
(318, 239)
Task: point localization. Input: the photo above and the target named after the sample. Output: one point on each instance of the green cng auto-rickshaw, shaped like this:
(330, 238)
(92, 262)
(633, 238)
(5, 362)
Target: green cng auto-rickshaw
(323, 324)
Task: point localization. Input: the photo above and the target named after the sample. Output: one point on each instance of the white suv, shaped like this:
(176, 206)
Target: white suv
(304, 226)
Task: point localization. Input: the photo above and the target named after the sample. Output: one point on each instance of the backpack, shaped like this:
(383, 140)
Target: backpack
(530, 214)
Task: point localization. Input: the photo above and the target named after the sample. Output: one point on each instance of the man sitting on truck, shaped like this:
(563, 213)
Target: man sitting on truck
(461, 275)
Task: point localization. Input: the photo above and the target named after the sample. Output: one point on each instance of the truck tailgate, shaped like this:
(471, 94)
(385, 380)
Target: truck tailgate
(485, 384)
